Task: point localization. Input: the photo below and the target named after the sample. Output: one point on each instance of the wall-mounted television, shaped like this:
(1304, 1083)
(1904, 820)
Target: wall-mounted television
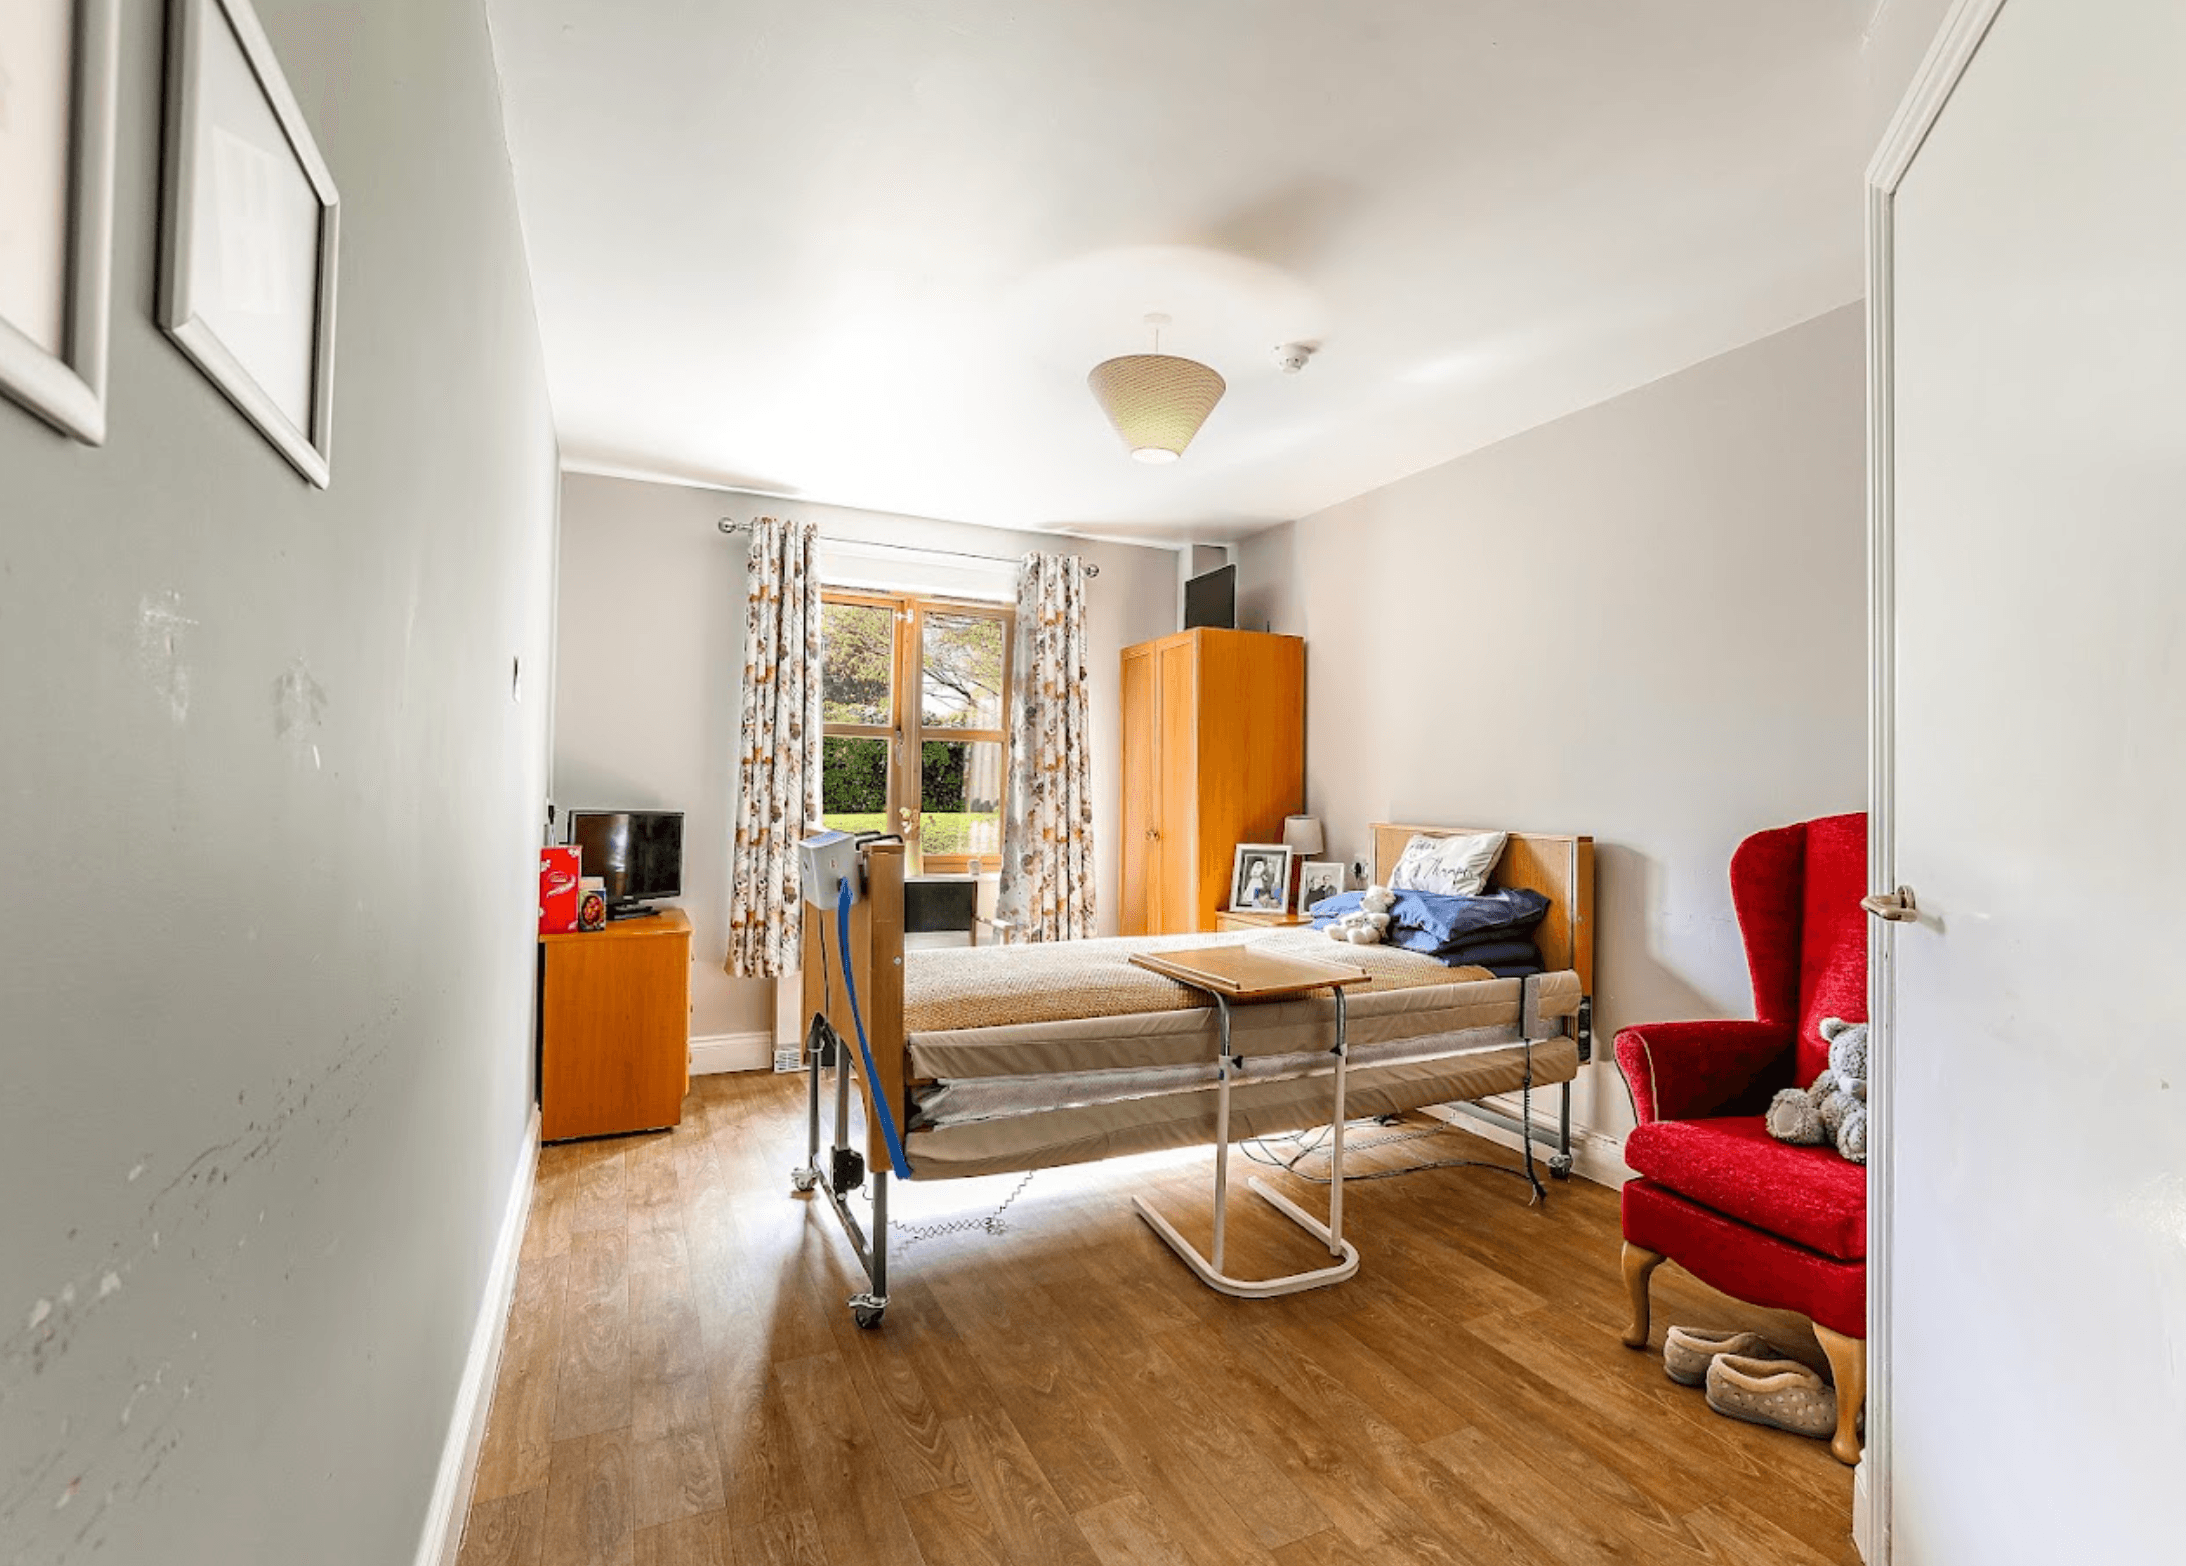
(1212, 599)
(638, 854)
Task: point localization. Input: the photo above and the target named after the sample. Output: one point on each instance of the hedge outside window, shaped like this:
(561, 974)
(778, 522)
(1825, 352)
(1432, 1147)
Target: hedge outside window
(903, 677)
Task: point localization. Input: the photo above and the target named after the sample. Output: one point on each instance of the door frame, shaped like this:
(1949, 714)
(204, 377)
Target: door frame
(1956, 43)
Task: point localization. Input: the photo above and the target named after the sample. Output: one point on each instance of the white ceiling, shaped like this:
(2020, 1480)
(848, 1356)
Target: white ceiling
(865, 251)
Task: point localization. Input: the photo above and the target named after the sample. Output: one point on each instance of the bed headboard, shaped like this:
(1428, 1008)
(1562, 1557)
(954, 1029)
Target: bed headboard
(1560, 868)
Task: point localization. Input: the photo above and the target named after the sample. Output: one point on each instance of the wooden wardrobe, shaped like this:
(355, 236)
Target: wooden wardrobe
(1214, 752)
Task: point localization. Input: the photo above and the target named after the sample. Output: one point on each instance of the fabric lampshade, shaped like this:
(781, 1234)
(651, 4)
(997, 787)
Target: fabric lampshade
(1303, 835)
(1156, 401)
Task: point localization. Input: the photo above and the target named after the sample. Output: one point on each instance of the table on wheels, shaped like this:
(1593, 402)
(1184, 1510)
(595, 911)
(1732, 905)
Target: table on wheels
(1238, 975)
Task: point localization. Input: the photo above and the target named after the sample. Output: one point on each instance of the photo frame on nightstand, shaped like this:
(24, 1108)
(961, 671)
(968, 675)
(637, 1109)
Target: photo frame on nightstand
(1260, 879)
(1318, 878)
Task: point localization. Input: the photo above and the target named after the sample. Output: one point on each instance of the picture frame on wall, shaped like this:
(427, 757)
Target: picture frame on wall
(250, 231)
(58, 60)
(1260, 878)
(1318, 878)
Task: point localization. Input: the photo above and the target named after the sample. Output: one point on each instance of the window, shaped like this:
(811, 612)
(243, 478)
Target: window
(902, 677)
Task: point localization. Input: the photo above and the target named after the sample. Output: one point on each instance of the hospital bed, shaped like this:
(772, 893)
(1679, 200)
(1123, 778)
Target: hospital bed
(989, 1060)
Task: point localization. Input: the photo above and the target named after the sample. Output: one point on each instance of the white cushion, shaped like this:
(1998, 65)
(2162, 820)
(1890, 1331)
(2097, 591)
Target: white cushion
(1451, 866)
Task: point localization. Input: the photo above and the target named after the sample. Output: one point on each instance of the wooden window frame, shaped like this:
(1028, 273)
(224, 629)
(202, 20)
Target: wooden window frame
(906, 731)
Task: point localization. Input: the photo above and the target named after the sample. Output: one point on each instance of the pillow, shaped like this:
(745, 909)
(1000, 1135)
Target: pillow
(1451, 866)
(1514, 951)
(1443, 921)
(1421, 941)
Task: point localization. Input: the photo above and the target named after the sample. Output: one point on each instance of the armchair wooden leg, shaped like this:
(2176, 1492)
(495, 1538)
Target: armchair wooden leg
(1848, 1363)
(1639, 1266)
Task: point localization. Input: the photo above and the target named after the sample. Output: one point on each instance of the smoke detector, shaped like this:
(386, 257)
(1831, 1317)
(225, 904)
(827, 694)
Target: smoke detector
(1290, 358)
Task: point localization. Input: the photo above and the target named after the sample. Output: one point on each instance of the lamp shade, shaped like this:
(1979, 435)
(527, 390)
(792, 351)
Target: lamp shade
(1156, 401)
(1303, 835)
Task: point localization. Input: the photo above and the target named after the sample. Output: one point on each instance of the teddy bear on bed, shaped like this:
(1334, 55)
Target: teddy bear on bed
(1834, 1108)
(1368, 924)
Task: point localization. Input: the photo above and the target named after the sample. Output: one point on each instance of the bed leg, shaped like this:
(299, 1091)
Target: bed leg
(1639, 1266)
(841, 1052)
(1222, 1131)
(1559, 1162)
(809, 1176)
(867, 1308)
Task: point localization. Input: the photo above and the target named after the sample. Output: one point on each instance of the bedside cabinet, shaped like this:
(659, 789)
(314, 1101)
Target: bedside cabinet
(1252, 920)
(614, 1027)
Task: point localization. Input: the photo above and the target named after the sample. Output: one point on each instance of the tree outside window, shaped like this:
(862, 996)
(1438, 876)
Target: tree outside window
(903, 677)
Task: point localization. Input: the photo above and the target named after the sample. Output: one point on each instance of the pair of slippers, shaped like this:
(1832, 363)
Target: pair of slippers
(1749, 1378)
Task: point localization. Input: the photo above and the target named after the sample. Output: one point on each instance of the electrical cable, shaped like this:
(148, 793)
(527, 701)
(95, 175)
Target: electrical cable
(896, 1159)
(1259, 1151)
(913, 1233)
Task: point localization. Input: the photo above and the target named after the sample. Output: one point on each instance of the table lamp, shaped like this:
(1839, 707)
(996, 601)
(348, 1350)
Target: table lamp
(1302, 835)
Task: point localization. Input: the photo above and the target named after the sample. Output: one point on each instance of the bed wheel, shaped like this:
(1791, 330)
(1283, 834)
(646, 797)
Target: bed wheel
(804, 1179)
(866, 1310)
(1559, 1166)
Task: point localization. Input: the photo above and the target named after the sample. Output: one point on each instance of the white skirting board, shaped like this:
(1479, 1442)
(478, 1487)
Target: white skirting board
(712, 1053)
(443, 1535)
(1594, 1156)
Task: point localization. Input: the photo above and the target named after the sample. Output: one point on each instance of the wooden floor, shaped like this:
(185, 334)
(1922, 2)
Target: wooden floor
(683, 1385)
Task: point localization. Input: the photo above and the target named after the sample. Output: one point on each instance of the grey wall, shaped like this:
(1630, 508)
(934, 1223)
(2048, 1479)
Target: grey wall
(1643, 622)
(651, 653)
(265, 996)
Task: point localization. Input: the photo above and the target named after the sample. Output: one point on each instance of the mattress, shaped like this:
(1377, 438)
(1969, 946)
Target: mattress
(1085, 1133)
(1072, 1022)
(959, 989)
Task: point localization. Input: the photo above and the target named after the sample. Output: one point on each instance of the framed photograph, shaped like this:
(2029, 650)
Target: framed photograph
(57, 65)
(1260, 879)
(1318, 878)
(250, 224)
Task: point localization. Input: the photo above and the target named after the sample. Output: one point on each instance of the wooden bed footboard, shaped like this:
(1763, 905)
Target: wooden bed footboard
(876, 957)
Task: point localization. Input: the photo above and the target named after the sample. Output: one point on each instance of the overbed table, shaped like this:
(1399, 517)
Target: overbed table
(1241, 976)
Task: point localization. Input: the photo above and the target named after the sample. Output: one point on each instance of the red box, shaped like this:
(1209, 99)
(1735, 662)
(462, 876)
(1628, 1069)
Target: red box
(558, 878)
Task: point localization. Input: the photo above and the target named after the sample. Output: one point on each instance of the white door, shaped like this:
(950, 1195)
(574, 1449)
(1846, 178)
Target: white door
(2031, 790)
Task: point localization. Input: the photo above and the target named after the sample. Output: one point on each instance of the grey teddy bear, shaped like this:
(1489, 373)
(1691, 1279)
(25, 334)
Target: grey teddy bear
(1834, 1108)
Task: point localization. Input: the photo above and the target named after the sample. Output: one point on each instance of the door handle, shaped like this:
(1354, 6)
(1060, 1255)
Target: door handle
(1898, 907)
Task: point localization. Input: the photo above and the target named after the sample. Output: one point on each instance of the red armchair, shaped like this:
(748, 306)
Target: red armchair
(1777, 1225)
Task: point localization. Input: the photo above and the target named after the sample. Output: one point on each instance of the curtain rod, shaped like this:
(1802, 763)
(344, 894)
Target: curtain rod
(733, 527)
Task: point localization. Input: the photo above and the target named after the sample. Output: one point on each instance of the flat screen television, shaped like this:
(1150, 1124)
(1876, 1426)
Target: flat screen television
(637, 853)
(1212, 599)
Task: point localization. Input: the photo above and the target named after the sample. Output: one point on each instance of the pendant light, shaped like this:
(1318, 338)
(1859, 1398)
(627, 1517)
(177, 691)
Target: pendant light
(1156, 401)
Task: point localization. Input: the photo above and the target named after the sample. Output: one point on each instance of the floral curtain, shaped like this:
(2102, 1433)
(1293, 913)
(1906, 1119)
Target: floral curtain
(1047, 841)
(778, 760)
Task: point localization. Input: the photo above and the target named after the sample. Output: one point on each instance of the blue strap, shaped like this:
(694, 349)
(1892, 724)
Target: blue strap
(872, 1077)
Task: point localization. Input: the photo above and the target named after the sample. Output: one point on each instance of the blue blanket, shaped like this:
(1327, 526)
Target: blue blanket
(1430, 922)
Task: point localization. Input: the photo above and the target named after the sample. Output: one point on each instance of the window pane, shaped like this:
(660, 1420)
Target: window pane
(963, 659)
(857, 663)
(960, 799)
(854, 783)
